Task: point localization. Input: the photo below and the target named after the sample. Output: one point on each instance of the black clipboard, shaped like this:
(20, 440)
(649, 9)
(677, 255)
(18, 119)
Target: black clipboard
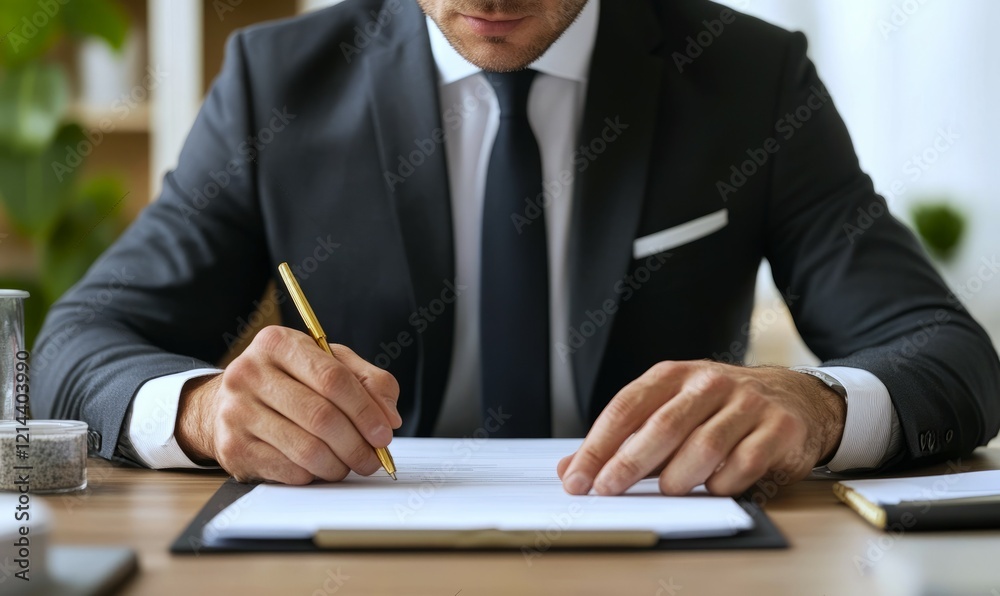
(764, 534)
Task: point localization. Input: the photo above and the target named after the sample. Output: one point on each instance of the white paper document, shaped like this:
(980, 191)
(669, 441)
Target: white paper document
(470, 484)
(893, 491)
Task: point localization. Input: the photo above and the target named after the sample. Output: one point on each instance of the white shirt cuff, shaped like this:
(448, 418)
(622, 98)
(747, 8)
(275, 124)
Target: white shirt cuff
(153, 417)
(871, 431)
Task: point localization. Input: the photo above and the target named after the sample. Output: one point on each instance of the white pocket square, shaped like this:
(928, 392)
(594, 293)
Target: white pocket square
(680, 235)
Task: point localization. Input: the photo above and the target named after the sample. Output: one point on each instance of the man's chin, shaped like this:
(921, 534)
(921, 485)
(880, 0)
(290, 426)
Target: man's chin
(497, 54)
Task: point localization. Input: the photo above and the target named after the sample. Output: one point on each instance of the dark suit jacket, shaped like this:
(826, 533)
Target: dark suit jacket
(344, 125)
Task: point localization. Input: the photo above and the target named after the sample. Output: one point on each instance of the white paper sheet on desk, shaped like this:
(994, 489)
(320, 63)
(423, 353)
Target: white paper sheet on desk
(457, 484)
(892, 491)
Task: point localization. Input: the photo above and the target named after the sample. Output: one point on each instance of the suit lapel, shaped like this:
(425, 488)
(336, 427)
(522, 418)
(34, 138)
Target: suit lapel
(623, 90)
(404, 96)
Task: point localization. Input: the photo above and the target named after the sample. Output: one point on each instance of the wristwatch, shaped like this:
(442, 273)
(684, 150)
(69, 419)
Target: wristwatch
(822, 376)
(834, 384)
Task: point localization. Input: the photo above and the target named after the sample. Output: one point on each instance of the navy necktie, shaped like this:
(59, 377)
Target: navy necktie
(514, 286)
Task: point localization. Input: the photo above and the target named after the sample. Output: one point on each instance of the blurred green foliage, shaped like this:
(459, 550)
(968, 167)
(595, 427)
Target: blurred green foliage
(68, 222)
(940, 226)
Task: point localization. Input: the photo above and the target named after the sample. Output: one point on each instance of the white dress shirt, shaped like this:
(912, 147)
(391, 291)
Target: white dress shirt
(470, 114)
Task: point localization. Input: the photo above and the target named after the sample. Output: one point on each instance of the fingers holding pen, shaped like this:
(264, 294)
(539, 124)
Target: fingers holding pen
(379, 382)
(297, 356)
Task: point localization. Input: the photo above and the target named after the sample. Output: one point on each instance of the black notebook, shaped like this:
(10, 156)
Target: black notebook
(966, 501)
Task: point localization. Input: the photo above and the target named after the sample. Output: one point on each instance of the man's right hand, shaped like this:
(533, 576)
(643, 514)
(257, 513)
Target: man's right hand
(285, 411)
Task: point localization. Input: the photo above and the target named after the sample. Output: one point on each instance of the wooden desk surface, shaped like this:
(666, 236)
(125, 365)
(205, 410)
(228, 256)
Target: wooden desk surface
(146, 510)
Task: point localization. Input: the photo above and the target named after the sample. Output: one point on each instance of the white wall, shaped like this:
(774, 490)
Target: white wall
(900, 71)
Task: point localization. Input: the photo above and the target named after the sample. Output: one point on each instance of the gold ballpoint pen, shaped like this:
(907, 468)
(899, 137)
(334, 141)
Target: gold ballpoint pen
(306, 311)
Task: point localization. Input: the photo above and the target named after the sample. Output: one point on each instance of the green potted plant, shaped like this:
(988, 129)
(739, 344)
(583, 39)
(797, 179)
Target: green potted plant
(66, 220)
(940, 226)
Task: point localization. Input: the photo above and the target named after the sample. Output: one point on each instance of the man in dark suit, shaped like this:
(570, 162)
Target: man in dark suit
(520, 218)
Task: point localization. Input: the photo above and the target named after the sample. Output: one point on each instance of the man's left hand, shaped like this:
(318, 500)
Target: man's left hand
(708, 423)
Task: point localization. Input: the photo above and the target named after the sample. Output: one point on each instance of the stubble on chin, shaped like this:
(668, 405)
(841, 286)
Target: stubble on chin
(500, 54)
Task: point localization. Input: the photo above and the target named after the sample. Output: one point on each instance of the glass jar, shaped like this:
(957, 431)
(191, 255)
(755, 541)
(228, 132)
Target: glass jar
(46, 456)
(12, 352)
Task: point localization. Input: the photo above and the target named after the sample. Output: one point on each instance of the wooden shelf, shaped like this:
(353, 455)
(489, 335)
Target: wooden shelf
(110, 121)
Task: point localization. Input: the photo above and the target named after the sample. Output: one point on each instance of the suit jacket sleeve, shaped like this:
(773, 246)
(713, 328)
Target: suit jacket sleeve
(174, 283)
(860, 288)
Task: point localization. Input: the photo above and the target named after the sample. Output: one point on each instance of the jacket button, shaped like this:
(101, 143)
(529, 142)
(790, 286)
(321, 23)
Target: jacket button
(93, 440)
(928, 441)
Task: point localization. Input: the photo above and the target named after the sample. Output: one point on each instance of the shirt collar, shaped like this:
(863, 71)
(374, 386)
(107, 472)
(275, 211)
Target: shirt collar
(567, 58)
